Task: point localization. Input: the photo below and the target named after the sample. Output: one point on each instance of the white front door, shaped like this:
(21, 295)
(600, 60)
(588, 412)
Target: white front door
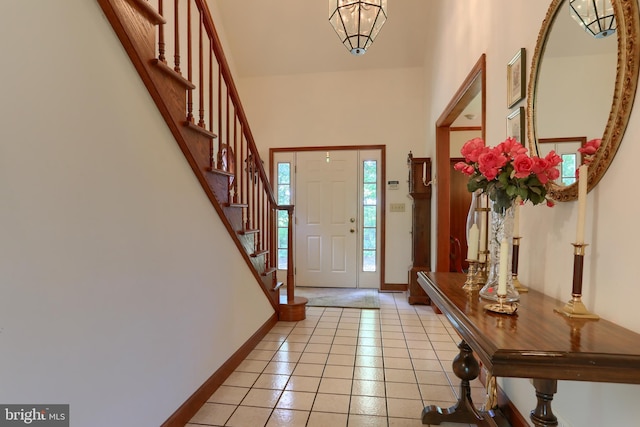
(326, 218)
(338, 216)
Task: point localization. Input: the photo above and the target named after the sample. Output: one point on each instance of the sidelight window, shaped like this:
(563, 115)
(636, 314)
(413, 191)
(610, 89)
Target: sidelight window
(370, 215)
(284, 198)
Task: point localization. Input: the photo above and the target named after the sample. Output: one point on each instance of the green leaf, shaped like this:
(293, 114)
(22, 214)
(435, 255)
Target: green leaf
(472, 185)
(523, 193)
(504, 178)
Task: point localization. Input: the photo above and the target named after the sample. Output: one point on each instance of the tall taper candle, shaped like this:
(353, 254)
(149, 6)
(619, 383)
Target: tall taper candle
(582, 202)
(424, 173)
(502, 273)
(472, 244)
(516, 218)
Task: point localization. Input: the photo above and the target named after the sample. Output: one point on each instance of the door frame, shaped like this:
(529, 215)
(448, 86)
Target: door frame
(474, 84)
(383, 189)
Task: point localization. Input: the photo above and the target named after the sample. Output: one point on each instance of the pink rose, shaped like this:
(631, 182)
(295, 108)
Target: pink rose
(540, 167)
(553, 174)
(490, 162)
(512, 148)
(545, 169)
(542, 177)
(522, 165)
(589, 150)
(550, 203)
(553, 159)
(464, 168)
(472, 149)
(539, 164)
(590, 147)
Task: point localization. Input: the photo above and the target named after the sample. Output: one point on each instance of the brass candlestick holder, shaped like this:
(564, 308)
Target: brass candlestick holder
(502, 306)
(514, 266)
(575, 307)
(471, 284)
(483, 254)
(481, 270)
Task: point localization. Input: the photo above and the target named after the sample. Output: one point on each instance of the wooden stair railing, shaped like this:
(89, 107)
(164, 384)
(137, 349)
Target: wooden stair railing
(166, 39)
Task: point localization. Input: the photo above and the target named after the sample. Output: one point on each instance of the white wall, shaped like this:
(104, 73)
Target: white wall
(458, 139)
(586, 100)
(382, 107)
(118, 293)
(499, 29)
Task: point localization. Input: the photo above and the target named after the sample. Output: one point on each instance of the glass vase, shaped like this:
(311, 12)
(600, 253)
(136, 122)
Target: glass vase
(501, 228)
(473, 215)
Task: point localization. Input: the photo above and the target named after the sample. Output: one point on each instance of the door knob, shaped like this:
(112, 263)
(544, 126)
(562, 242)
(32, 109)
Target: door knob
(353, 230)
(352, 220)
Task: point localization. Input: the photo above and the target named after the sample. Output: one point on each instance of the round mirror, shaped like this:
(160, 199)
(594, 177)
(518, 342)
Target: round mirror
(581, 88)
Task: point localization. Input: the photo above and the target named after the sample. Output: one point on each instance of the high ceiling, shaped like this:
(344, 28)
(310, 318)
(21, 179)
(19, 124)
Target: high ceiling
(286, 37)
(294, 36)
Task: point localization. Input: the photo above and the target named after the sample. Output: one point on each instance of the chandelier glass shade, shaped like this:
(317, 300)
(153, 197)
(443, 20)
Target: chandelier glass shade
(595, 16)
(357, 22)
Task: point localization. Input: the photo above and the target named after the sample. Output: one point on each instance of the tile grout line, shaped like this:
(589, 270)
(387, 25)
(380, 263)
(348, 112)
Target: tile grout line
(393, 314)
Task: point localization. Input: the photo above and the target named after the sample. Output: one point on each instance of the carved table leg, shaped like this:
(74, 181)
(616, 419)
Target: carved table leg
(466, 367)
(543, 416)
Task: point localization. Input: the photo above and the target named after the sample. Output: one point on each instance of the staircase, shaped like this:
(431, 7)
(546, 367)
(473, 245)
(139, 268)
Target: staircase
(175, 48)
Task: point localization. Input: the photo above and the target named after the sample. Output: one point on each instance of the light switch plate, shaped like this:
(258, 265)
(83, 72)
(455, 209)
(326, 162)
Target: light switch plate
(397, 207)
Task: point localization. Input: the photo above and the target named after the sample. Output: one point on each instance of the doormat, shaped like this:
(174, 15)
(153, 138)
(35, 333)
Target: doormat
(340, 297)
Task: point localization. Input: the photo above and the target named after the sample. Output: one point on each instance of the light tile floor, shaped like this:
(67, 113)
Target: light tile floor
(344, 367)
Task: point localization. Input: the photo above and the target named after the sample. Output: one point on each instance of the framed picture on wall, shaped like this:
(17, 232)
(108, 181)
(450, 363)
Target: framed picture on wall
(516, 80)
(515, 125)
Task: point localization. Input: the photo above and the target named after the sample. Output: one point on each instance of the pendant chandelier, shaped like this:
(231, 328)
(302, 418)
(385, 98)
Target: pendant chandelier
(595, 16)
(357, 22)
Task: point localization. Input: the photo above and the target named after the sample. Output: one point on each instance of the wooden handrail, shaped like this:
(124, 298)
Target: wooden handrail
(229, 169)
(226, 73)
(248, 185)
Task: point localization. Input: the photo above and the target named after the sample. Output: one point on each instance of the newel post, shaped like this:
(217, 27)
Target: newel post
(290, 277)
(295, 308)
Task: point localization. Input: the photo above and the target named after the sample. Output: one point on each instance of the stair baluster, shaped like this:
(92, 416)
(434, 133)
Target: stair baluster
(231, 171)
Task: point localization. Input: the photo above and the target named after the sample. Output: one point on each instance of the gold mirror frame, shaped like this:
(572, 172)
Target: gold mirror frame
(628, 31)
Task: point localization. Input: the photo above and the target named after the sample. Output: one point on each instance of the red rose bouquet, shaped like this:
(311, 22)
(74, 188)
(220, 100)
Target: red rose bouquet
(506, 171)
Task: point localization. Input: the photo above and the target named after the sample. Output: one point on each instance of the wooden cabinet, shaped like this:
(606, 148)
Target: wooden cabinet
(420, 192)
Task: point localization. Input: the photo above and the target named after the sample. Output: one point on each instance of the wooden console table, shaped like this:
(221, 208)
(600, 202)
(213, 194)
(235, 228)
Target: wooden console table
(535, 343)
